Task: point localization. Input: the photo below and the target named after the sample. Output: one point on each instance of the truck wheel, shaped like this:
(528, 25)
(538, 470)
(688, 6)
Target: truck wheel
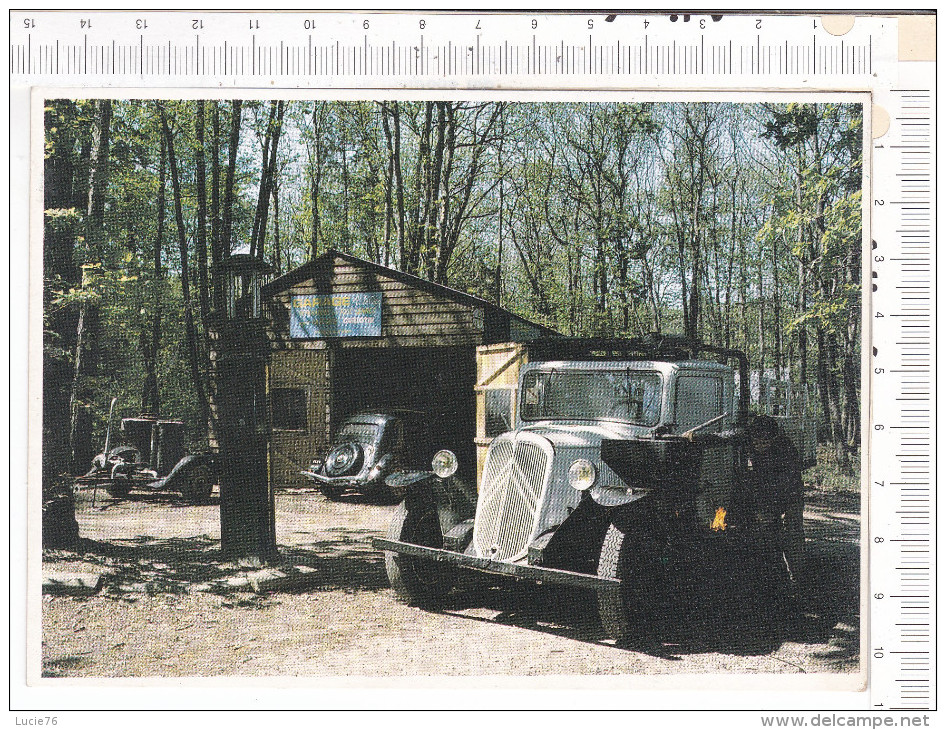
(198, 483)
(415, 580)
(630, 558)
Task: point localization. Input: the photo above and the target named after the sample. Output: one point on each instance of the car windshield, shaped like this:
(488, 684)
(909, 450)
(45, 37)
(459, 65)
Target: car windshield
(621, 395)
(365, 433)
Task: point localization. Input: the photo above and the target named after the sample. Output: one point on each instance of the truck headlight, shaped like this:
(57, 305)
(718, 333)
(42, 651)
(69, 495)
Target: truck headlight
(582, 474)
(444, 464)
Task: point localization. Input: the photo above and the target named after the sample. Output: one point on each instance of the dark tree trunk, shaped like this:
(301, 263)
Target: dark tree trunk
(216, 239)
(203, 280)
(226, 227)
(87, 330)
(190, 329)
(151, 341)
(59, 271)
(318, 118)
(267, 176)
(392, 133)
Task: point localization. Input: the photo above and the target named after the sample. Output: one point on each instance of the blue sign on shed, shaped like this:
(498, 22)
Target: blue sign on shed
(316, 316)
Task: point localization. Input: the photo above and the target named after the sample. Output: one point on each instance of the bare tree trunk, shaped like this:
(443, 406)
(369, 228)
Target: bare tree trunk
(216, 240)
(315, 176)
(203, 281)
(151, 342)
(60, 192)
(277, 244)
(226, 227)
(776, 309)
(190, 329)
(267, 176)
(392, 136)
(87, 331)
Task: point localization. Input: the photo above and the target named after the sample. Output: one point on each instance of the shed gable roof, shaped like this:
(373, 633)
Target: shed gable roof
(313, 268)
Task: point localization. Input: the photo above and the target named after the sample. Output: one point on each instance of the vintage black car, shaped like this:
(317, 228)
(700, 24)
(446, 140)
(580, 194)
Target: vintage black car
(152, 458)
(368, 447)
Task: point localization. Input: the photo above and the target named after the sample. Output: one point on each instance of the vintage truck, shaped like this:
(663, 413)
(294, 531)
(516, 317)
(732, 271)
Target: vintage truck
(622, 459)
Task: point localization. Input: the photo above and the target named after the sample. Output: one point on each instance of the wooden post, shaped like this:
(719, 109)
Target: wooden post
(247, 507)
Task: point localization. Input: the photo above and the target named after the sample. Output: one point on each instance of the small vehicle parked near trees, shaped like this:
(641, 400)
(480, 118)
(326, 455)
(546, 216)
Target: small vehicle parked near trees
(152, 458)
(626, 459)
(368, 447)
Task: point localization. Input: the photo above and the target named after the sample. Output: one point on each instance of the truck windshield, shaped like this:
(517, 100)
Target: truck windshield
(620, 395)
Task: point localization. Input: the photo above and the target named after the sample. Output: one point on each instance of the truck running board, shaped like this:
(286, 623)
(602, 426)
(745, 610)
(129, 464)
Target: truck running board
(516, 570)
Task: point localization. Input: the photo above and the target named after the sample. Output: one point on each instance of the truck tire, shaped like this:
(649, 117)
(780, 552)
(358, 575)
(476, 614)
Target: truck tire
(629, 557)
(415, 580)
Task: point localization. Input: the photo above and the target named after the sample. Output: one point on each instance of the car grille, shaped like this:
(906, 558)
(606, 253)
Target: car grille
(514, 478)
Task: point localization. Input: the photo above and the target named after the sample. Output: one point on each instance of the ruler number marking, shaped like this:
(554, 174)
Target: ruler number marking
(29, 23)
(141, 23)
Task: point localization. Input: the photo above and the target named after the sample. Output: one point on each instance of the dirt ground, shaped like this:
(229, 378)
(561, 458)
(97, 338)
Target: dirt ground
(162, 613)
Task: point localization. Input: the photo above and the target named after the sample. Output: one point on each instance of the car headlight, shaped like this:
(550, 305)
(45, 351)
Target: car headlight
(582, 474)
(444, 463)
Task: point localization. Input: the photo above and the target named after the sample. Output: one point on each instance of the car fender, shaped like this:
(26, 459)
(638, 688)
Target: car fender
(180, 470)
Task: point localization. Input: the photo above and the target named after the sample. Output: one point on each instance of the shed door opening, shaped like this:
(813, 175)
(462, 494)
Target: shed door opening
(437, 381)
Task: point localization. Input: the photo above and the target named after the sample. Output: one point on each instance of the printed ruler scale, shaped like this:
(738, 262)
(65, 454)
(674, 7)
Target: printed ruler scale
(903, 579)
(649, 52)
(167, 47)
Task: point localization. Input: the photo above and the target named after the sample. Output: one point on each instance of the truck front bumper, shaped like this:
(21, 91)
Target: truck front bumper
(485, 565)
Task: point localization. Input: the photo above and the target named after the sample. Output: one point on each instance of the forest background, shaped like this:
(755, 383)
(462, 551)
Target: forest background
(736, 224)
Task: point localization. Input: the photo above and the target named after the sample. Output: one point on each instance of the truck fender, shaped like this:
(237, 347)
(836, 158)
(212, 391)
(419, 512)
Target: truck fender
(454, 500)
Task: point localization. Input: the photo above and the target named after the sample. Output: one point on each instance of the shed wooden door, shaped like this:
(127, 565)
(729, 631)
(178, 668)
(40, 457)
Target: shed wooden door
(299, 398)
(497, 377)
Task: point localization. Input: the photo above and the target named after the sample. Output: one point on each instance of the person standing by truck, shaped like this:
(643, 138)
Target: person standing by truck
(774, 500)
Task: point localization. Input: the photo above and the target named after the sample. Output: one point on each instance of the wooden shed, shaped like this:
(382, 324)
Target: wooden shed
(348, 335)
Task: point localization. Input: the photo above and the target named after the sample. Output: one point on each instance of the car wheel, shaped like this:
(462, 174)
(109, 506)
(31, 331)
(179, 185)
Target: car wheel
(119, 487)
(198, 482)
(415, 580)
(332, 493)
(344, 459)
(629, 557)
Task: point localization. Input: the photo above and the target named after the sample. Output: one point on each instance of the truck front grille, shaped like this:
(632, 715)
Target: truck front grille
(514, 479)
